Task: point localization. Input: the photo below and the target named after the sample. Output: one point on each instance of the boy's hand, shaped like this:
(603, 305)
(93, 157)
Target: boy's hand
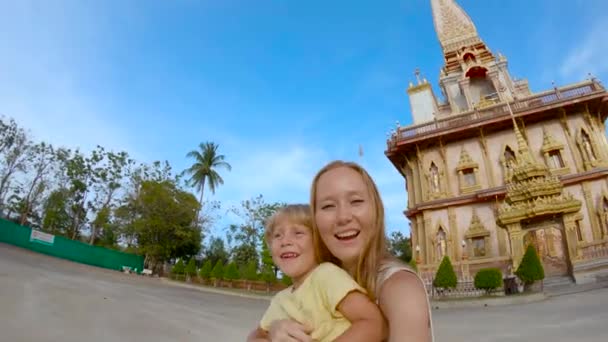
(289, 331)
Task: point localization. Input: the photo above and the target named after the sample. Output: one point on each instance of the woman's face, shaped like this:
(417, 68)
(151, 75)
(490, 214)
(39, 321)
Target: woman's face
(344, 213)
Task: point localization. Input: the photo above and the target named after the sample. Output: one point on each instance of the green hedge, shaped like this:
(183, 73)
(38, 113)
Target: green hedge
(488, 279)
(445, 276)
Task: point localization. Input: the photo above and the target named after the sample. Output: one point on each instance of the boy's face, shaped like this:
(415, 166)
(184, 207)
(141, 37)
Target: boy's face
(292, 249)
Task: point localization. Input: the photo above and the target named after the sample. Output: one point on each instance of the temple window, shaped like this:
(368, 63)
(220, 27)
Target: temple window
(479, 246)
(587, 147)
(556, 161)
(552, 152)
(467, 171)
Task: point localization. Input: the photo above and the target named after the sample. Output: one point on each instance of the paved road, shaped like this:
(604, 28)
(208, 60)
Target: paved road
(46, 299)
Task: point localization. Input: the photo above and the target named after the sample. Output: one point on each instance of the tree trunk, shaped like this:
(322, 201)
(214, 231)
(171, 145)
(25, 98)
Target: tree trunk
(201, 202)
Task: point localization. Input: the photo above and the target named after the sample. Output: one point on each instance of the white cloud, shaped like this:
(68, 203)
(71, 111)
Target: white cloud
(589, 55)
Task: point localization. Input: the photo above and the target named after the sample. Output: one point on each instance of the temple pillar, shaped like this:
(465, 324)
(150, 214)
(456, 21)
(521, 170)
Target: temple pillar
(517, 244)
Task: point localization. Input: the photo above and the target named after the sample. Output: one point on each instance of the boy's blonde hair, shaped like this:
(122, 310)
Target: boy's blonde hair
(293, 213)
(375, 250)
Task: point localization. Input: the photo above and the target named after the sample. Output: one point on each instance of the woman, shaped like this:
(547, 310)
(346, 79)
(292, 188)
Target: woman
(348, 229)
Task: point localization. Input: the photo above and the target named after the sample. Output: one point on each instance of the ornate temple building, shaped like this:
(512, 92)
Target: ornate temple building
(491, 167)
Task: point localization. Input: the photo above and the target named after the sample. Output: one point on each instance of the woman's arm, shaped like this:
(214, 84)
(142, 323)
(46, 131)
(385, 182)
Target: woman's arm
(367, 323)
(258, 335)
(403, 300)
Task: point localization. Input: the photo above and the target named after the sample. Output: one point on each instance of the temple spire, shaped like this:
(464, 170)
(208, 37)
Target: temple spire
(454, 27)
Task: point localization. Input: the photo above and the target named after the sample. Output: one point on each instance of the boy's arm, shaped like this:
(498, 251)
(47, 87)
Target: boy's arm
(367, 323)
(258, 335)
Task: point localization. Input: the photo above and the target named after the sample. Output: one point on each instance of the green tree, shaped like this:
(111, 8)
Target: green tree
(179, 267)
(205, 271)
(204, 170)
(243, 254)
(15, 145)
(161, 219)
(251, 271)
(267, 273)
(41, 157)
(399, 246)
(232, 272)
(216, 251)
(108, 175)
(191, 268)
(530, 269)
(445, 276)
(253, 213)
(218, 270)
(56, 218)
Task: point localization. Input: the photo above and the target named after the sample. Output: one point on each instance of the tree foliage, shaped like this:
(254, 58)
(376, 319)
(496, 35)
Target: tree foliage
(191, 268)
(488, 279)
(399, 246)
(205, 271)
(445, 276)
(232, 272)
(251, 271)
(530, 269)
(218, 270)
(179, 267)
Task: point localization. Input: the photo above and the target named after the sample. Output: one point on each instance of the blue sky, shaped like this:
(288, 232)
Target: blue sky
(282, 86)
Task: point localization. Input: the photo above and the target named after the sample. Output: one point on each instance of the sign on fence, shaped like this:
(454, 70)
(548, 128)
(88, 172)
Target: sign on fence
(43, 238)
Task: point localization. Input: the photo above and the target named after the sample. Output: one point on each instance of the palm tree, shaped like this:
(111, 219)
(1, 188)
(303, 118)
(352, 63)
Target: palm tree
(206, 161)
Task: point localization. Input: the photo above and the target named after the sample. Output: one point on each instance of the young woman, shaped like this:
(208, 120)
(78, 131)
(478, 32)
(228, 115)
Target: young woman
(348, 229)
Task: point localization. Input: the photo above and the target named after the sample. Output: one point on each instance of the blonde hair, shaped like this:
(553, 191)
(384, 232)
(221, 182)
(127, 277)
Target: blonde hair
(375, 251)
(292, 213)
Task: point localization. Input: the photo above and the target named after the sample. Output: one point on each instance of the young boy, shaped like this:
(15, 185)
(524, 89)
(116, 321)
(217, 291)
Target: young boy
(323, 296)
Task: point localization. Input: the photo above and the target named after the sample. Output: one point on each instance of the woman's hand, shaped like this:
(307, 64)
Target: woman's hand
(289, 331)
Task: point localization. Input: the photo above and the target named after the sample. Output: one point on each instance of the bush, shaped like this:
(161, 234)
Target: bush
(218, 270)
(251, 271)
(286, 280)
(488, 279)
(445, 276)
(530, 269)
(191, 268)
(231, 272)
(205, 272)
(179, 267)
(413, 265)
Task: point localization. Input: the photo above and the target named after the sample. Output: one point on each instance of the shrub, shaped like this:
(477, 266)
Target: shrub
(445, 276)
(413, 264)
(251, 271)
(191, 268)
(179, 267)
(218, 270)
(286, 280)
(205, 271)
(488, 279)
(530, 269)
(231, 272)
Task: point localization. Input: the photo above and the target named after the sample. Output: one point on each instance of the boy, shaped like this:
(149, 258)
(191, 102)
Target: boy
(323, 296)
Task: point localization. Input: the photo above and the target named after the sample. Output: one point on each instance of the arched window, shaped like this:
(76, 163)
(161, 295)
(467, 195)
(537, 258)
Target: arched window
(509, 157)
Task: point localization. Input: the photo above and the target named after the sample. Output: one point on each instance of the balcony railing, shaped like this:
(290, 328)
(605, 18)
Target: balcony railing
(495, 111)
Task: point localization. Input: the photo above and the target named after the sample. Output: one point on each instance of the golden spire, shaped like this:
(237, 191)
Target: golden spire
(454, 27)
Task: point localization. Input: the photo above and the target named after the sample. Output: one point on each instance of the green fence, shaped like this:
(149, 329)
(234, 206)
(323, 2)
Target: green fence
(61, 247)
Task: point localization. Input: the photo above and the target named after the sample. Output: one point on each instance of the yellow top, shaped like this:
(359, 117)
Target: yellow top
(315, 302)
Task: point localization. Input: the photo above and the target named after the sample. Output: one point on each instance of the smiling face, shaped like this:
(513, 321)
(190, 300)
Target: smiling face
(344, 213)
(292, 250)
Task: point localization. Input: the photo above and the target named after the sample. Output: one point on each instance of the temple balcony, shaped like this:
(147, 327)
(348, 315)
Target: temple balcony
(494, 117)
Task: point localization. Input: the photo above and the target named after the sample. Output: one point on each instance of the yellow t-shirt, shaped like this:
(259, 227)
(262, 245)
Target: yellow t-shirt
(315, 302)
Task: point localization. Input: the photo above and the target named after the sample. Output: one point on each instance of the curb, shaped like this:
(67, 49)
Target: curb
(214, 290)
(486, 302)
